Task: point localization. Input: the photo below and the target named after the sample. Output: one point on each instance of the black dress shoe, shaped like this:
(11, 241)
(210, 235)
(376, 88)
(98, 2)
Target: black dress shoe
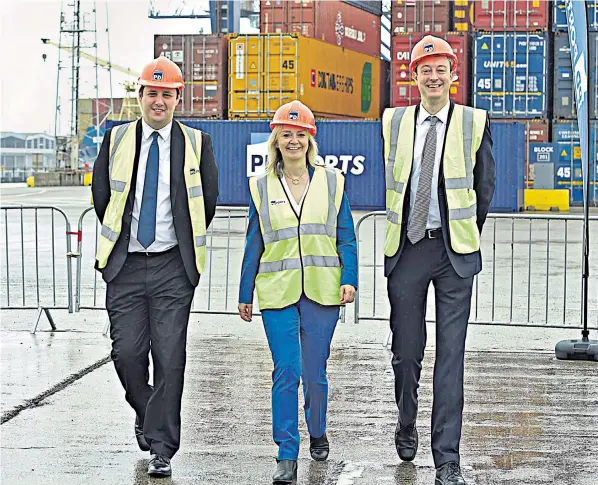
(159, 466)
(286, 472)
(406, 441)
(449, 474)
(319, 447)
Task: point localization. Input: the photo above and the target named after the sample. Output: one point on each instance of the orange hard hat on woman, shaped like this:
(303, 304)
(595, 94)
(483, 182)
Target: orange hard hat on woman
(295, 114)
(162, 73)
(431, 46)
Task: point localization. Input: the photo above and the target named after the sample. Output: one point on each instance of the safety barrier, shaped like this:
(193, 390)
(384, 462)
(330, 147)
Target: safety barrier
(218, 287)
(532, 262)
(43, 278)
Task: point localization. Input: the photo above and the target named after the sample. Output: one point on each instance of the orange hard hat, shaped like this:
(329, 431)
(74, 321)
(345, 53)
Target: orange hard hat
(295, 114)
(162, 73)
(431, 46)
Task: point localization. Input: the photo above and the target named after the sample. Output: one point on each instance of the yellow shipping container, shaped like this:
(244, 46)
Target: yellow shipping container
(268, 70)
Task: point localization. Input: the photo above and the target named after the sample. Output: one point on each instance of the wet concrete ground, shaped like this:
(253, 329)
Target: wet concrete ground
(528, 418)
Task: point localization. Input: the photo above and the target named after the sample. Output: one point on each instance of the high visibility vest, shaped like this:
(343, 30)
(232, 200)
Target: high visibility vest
(463, 138)
(300, 254)
(120, 171)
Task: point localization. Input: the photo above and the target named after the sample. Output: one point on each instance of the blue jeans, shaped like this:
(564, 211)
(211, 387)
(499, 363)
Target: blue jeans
(299, 337)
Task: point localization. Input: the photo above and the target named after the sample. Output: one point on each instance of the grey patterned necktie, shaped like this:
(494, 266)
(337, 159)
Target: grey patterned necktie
(418, 219)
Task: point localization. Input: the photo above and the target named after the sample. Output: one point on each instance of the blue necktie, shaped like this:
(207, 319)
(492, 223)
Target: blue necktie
(146, 231)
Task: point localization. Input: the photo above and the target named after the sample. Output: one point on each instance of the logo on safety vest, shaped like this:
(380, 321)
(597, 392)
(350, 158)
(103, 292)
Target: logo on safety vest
(278, 202)
(193, 171)
(293, 115)
(428, 47)
(158, 75)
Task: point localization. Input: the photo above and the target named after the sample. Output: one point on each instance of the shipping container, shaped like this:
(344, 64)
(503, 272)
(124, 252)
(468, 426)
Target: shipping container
(569, 174)
(559, 16)
(203, 60)
(508, 149)
(267, 71)
(371, 6)
(430, 16)
(333, 21)
(462, 12)
(536, 131)
(509, 15)
(564, 99)
(511, 74)
(404, 91)
(354, 147)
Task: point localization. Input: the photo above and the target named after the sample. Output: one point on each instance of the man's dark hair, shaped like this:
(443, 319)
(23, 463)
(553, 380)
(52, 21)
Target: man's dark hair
(142, 88)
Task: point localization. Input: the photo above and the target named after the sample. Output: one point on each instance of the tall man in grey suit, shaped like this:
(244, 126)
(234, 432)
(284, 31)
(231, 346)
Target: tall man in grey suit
(440, 178)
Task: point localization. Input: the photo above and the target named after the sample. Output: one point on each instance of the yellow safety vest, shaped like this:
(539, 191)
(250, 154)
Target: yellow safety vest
(120, 171)
(464, 136)
(299, 253)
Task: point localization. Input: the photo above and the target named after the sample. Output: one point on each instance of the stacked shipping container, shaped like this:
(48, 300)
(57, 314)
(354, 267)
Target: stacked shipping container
(203, 60)
(565, 132)
(511, 66)
(338, 23)
(269, 70)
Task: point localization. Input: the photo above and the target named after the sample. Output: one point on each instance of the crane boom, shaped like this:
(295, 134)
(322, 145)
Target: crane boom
(94, 59)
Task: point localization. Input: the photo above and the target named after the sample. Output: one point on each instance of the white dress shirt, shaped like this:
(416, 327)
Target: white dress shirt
(421, 130)
(165, 234)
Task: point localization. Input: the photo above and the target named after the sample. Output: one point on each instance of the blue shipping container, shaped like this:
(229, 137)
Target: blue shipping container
(564, 99)
(569, 175)
(559, 16)
(510, 74)
(356, 148)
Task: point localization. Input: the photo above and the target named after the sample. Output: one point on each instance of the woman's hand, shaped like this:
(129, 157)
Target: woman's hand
(246, 311)
(347, 294)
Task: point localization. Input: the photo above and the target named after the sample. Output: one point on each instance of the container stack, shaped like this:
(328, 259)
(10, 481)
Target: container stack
(410, 21)
(203, 60)
(324, 53)
(511, 65)
(565, 132)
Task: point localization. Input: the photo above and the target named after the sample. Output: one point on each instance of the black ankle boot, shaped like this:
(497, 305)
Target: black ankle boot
(286, 472)
(319, 447)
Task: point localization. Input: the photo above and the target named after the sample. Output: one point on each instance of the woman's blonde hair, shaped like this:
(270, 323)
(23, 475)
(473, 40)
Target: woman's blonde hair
(275, 161)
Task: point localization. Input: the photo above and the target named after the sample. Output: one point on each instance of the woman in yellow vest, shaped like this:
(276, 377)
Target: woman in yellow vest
(301, 256)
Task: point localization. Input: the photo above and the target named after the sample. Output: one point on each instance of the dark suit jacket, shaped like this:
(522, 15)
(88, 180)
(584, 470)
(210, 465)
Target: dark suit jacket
(484, 179)
(100, 189)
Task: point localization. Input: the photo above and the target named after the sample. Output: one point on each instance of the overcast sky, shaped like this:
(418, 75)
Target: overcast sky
(28, 84)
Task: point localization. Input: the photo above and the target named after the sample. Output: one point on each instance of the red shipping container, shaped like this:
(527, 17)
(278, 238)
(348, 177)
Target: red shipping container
(432, 16)
(404, 92)
(518, 15)
(203, 59)
(536, 131)
(332, 21)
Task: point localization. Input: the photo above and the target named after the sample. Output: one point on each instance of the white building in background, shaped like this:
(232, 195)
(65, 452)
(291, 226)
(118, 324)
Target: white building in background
(22, 154)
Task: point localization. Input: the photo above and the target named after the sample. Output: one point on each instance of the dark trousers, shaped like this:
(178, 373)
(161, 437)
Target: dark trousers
(148, 304)
(419, 264)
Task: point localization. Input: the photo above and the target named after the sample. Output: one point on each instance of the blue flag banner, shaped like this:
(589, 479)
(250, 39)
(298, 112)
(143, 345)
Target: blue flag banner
(577, 25)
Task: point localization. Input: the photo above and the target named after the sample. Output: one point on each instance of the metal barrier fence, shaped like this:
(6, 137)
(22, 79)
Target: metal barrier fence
(41, 281)
(531, 275)
(531, 272)
(217, 292)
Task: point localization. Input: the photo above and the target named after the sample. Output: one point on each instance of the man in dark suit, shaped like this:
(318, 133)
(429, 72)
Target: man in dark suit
(440, 178)
(155, 185)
